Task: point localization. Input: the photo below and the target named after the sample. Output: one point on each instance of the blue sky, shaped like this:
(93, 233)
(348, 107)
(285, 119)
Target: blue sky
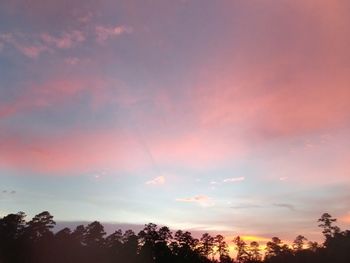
(225, 116)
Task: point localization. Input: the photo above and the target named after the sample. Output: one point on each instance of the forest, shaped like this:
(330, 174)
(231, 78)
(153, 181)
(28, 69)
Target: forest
(36, 241)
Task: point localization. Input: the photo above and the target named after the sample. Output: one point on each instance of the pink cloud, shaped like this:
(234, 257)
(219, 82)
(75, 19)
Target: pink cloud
(294, 82)
(32, 45)
(103, 33)
(312, 102)
(195, 149)
(202, 200)
(85, 18)
(156, 181)
(267, 93)
(78, 150)
(67, 40)
(75, 152)
(61, 90)
(72, 60)
(29, 50)
(40, 97)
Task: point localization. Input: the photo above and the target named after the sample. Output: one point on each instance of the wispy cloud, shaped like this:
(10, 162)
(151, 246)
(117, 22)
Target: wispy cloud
(227, 180)
(283, 205)
(30, 50)
(248, 206)
(233, 179)
(104, 33)
(202, 200)
(156, 181)
(66, 40)
(72, 60)
(33, 44)
(283, 178)
(7, 193)
(86, 18)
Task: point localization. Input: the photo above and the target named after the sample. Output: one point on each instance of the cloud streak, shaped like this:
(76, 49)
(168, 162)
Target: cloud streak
(283, 205)
(233, 179)
(103, 33)
(34, 44)
(201, 200)
(160, 180)
(30, 50)
(248, 206)
(67, 40)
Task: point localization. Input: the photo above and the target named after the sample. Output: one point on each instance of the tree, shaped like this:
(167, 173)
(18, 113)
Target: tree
(114, 244)
(93, 234)
(149, 234)
(64, 234)
(11, 226)
(185, 239)
(241, 247)
(254, 252)
(40, 226)
(273, 248)
(164, 234)
(313, 246)
(115, 240)
(221, 245)
(298, 243)
(11, 229)
(206, 246)
(129, 252)
(148, 238)
(78, 235)
(185, 247)
(34, 242)
(326, 223)
(38, 240)
(277, 252)
(162, 251)
(93, 239)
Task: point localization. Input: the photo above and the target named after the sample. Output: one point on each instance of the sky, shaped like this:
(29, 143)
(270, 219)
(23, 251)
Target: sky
(223, 116)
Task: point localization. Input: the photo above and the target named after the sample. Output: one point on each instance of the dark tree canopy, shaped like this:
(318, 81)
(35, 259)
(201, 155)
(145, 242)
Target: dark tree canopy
(36, 241)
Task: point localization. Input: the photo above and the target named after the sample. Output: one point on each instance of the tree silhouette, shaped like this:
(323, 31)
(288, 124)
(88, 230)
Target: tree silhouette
(326, 223)
(35, 242)
(40, 226)
(299, 243)
(148, 238)
(313, 246)
(130, 247)
(93, 235)
(242, 249)
(185, 247)
(221, 246)
(11, 229)
(254, 252)
(206, 247)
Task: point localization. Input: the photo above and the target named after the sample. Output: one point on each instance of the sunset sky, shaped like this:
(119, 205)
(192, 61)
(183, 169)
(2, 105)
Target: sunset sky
(223, 116)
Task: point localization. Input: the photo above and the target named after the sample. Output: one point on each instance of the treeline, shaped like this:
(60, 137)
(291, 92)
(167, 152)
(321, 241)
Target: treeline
(35, 242)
